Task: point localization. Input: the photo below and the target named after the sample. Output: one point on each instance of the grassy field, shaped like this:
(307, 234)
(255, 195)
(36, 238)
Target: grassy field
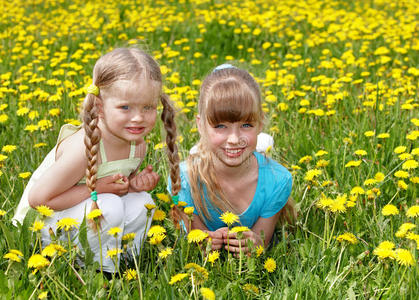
(340, 83)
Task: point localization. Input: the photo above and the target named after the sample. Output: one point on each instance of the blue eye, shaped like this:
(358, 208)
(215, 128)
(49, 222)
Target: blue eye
(124, 107)
(247, 125)
(219, 126)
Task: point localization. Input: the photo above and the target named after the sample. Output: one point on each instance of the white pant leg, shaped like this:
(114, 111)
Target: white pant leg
(136, 216)
(112, 209)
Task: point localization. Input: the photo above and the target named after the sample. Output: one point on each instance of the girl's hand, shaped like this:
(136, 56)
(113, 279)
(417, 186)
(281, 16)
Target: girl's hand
(117, 184)
(146, 180)
(234, 243)
(217, 237)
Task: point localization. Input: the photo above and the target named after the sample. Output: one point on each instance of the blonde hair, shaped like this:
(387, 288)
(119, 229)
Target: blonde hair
(227, 95)
(125, 64)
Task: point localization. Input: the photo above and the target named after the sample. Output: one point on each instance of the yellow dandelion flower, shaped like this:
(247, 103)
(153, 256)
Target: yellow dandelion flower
(130, 274)
(165, 253)
(410, 164)
(360, 152)
(189, 210)
(213, 256)
(182, 203)
(44, 210)
(401, 174)
(415, 151)
(37, 261)
(379, 176)
(414, 179)
(413, 211)
(305, 159)
(400, 149)
(178, 277)
(353, 163)
(270, 265)
(199, 271)
(12, 256)
(157, 239)
(129, 236)
(67, 224)
(37, 226)
(113, 252)
(53, 249)
(229, 218)
(250, 288)
(322, 163)
(163, 197)
(370, 181)
(196, 235)
(159, 215)
(383, 136)
(386, 245)
(321, 153)
(402, 185)
(2, 212)
(156, 230)
(259, 250)
(384, 253)
(357, 190)
(347, 237)
(207, 293)
(150, 206)
(338, 205)
(404, 257)
(405, 156)
(369, 133)
(24, 175)
(114, 231)
(324, 202)
(239, 229)
(404, 229)
(96, 213)
(311, 174)
(389, 210)
(8, 148)
(43, 295)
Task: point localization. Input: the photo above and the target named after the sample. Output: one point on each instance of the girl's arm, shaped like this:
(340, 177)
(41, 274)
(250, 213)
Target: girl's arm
(57, 188)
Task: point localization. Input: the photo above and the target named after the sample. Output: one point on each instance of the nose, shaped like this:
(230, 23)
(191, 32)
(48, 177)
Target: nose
(233, 137)
(137, 116)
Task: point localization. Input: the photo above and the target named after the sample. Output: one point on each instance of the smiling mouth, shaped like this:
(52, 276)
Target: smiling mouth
(233, 152)
(136, 130)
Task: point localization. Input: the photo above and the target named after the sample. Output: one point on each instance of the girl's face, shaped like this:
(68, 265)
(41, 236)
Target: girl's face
(128, 109)
(232, 143)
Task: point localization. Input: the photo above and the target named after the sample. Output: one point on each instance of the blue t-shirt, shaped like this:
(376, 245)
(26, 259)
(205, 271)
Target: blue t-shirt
(272, 192)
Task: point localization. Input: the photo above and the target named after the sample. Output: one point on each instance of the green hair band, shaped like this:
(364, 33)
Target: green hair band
(93, 196)
(175, 199)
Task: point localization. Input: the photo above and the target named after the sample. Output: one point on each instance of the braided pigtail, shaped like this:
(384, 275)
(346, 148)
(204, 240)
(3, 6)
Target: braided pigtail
(168, 118)
(91, 141)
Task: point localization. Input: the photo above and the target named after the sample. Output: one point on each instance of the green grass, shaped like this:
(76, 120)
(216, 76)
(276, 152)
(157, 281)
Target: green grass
(317, 51)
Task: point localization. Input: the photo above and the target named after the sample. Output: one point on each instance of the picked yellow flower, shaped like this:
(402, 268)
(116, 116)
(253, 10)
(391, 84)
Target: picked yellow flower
(229, 218)
(196, 235)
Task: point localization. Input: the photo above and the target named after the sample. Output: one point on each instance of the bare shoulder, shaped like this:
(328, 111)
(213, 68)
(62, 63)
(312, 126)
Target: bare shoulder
(73, 149)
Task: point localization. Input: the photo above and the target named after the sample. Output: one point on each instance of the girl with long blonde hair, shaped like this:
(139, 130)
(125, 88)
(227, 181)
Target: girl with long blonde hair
(97, 165)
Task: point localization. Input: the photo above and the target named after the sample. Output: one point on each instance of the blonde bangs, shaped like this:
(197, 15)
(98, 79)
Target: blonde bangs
(231, 101)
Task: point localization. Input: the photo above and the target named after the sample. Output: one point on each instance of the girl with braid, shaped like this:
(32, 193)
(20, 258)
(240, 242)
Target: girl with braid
(97, 165)
(225, 173)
